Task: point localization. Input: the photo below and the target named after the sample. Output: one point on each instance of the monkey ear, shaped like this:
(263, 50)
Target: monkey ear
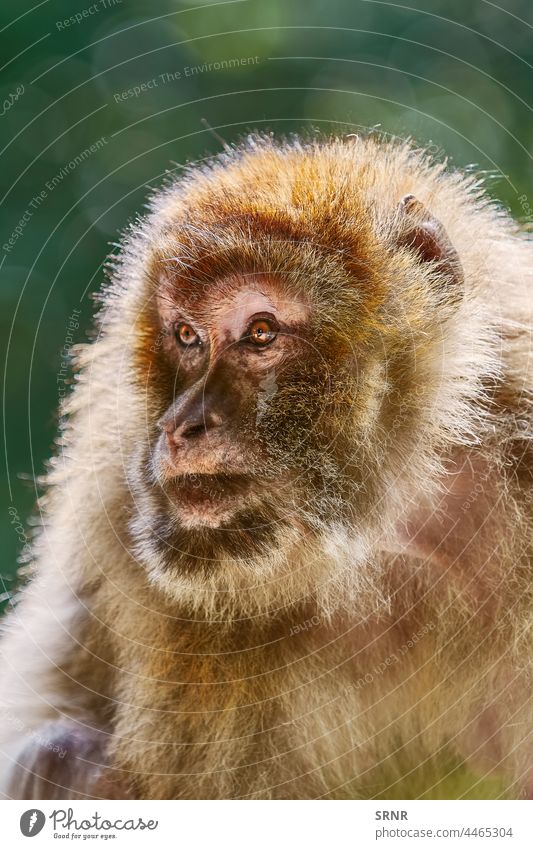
(424, 233)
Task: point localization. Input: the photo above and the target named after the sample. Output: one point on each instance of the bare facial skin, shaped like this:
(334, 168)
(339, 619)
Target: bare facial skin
(226, 352)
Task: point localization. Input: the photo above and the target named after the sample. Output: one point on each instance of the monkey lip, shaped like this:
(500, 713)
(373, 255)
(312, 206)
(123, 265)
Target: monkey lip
(201, 489)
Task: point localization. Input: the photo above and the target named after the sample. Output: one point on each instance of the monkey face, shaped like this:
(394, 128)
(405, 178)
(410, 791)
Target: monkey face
(264, 410)
(248, 401)
(241, 362)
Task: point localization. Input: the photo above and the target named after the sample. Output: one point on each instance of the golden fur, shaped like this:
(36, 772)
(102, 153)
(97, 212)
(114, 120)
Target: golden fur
(305, 670)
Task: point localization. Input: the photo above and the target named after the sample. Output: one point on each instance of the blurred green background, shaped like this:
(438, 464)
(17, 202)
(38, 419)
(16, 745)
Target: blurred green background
(456, 75)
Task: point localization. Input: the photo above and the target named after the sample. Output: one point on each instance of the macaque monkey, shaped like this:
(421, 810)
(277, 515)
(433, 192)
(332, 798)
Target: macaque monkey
(286, 546)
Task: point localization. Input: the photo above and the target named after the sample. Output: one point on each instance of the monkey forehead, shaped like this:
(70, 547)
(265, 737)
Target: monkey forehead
(241, 296)
(229, 302)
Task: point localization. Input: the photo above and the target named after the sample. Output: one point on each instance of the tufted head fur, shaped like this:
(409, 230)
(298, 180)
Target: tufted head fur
(367, 236)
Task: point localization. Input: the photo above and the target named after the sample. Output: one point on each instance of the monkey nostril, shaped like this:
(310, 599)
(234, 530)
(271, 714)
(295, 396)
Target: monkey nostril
(198, 426)
(192, 430)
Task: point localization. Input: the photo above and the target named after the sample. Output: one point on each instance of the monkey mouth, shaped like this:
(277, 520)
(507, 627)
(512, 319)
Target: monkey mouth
(211, 496)
(209, 500)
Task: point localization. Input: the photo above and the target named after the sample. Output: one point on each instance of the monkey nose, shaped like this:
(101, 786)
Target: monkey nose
(183, 428)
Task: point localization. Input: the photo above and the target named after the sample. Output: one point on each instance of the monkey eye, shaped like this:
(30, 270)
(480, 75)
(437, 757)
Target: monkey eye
(261, 332)
(185, 334)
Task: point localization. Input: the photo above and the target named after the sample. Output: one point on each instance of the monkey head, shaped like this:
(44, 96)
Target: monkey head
(288, 339)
